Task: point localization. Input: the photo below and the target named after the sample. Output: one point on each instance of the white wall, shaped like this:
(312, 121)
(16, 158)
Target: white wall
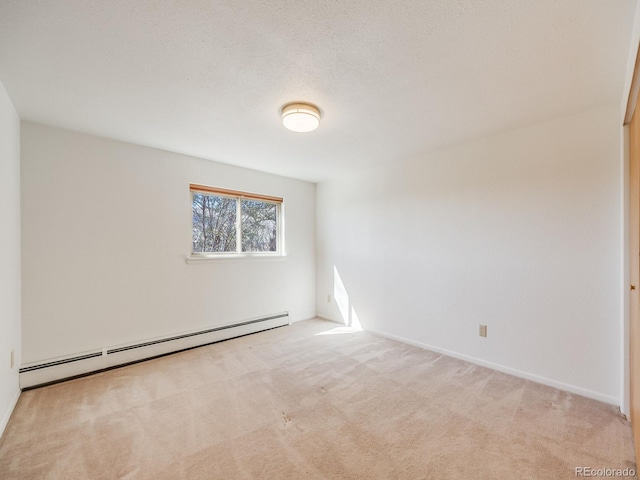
(9, 255)
(521, 232)
(107, 228)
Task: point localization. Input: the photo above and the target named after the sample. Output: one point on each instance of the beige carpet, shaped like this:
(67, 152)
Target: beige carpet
(293, 403)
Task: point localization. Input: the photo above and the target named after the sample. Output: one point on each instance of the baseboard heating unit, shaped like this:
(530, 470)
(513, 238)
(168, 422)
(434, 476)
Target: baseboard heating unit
(57, 369)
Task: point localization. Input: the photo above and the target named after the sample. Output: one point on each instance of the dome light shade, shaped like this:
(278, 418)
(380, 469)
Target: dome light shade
(300, 117)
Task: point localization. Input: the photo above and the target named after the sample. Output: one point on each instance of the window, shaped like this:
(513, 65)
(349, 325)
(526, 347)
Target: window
(228, 222)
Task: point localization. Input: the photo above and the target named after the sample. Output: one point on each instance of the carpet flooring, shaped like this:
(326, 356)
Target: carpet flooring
(306, 402)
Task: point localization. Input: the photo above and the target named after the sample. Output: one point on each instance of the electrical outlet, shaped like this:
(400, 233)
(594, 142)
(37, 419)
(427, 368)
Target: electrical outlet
(12, 358)
(328, 298)
(483, 330)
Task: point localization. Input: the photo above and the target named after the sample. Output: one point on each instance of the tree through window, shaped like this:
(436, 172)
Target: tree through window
(228, 221)
(259, 226)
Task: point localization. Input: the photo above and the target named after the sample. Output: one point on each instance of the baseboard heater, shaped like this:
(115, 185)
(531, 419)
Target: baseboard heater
(55, 370)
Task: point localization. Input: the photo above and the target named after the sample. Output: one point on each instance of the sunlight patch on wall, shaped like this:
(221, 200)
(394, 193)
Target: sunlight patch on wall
(341, 296)
(347, 312)
(355, 321)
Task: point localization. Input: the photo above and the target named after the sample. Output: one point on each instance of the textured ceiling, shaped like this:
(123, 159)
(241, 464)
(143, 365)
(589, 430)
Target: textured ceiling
(392, 78)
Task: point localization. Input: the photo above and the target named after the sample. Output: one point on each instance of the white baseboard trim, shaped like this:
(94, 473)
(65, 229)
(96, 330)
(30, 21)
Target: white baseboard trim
(304, 318)
(329, 319)
(7, 414)
(62, 368)
(504, 369)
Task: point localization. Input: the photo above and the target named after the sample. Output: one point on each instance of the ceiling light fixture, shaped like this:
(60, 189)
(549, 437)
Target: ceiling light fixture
(300, 117)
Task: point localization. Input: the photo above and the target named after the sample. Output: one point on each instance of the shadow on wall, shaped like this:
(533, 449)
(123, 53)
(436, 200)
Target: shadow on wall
(347, 312)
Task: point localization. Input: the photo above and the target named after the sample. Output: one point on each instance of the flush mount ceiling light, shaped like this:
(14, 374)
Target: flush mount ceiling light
(300, 117)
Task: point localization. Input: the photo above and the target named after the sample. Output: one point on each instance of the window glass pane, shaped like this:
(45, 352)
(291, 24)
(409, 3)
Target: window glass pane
(259, 226)
(214, 223)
